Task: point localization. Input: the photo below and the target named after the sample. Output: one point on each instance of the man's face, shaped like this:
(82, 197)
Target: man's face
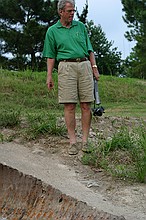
(67, 13)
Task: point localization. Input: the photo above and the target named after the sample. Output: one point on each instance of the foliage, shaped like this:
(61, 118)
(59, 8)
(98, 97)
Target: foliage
(122, 90)
(25, 101)
(23, 33)
(28, 91)
(84, 13)
(9, 118)
(40, 124)
(108, 60)
(24, 23)
(23, 27)
(135, 17)
(123, 155)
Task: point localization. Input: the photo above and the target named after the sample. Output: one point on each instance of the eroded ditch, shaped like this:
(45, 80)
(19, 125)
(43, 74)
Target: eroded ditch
(26, 197)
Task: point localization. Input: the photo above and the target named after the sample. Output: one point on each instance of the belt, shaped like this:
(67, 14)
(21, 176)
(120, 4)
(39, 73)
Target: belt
(74, 60)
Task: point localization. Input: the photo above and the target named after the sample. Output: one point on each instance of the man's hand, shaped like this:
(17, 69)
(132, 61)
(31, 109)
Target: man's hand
(50, 83)
(96, 73)
(50, 66)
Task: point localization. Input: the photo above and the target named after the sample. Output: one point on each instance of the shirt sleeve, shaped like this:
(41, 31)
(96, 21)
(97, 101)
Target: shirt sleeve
(49, 50)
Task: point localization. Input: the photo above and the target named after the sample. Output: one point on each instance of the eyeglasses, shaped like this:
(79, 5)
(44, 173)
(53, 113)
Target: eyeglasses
(70, 11)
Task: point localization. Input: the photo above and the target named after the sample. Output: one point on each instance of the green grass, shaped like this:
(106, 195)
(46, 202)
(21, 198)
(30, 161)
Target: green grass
(126, 109)
(28, 91)
(122, 156)
(9, 118)
(24, 97)
(122, 90)
(123, 96)
(28, 107)
(40, 124)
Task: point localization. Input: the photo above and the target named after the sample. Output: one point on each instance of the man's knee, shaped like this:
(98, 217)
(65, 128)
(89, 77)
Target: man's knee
(70, 106)
(85, 106)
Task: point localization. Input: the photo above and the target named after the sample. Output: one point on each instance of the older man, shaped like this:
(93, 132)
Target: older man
(67, 42)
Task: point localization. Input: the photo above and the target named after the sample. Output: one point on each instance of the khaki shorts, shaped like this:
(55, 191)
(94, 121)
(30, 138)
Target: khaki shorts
(75, 82)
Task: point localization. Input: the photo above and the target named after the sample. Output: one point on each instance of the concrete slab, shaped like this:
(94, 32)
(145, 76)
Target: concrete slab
(60, 176)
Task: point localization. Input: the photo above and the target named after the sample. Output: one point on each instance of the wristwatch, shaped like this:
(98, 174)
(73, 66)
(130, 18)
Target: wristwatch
(94, 66)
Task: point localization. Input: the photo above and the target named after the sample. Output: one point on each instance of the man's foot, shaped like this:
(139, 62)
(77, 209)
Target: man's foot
(73, 149)
(86, 148)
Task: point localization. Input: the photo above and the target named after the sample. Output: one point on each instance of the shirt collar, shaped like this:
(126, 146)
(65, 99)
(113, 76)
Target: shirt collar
(59, 25)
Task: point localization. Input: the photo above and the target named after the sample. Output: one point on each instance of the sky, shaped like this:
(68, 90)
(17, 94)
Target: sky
(108, 14)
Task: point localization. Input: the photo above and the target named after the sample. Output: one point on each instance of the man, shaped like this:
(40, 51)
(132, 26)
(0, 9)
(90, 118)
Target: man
(67, 42)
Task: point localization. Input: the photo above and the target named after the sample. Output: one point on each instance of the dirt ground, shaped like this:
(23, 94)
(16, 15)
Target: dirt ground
(118, 191)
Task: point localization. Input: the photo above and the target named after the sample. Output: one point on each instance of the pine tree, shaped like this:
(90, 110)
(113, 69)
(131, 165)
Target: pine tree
(135, 17)
(23, 24)
(83, 16)
(107, 58)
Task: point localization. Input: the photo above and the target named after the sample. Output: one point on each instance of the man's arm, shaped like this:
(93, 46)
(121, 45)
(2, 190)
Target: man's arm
(94, 66)
(50, 66)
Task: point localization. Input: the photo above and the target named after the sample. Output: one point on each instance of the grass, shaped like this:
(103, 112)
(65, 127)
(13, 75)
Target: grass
(26, 100)
(28, 107)
(25, 90)
(123, 96)
(123, 156)
(38, 124)
(9, 118)
(122, 90)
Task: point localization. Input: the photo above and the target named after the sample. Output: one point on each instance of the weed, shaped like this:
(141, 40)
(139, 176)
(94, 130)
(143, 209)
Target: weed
(9, 118)
(1, 137)
(124, 155)
(132, 143)
(40, 124)
(139, 153)
(120, 140)
(90, 158)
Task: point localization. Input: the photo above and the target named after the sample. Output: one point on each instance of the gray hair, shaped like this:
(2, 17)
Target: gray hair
(62, 3)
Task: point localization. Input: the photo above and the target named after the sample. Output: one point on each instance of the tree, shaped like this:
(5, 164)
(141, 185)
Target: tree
(135, 17)
(83, 16)
(131, 65)
(23, 26)
(108, 60)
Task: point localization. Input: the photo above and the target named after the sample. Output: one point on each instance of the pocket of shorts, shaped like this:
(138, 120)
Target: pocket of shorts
(63, 67)
(89, 68)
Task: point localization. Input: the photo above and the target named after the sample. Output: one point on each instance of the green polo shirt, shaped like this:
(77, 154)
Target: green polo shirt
(66, 43)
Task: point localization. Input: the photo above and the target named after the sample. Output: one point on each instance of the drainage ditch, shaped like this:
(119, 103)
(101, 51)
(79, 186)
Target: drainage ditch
(28, 198)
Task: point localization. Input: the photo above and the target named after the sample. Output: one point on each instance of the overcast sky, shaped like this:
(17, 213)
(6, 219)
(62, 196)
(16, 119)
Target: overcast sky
(108, 13)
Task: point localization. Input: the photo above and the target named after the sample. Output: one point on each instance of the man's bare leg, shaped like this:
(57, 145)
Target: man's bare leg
(85, 120)
(69, 113)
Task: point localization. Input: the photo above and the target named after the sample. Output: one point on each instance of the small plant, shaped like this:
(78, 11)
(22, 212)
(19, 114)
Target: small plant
(139, 154)
(120, 140)
(1, 137)
(90, 158)
(128, 143)
(124, 155)
(40, 124)
(9, 118)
